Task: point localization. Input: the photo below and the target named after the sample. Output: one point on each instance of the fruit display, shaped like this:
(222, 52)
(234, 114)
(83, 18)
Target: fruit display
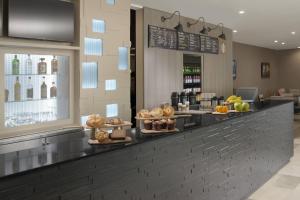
(222, 109)
(242, 107)
(234, 99)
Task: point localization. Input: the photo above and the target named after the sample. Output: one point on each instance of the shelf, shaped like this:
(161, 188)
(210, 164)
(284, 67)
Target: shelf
(31, 75)
(32, 100)
(192, 74)
(8, 42)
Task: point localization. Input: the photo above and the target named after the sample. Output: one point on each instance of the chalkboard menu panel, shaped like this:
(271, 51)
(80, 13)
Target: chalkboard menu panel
(171, 39)
(194, 42)
(183, 41)
(209, 44)
(162, 37)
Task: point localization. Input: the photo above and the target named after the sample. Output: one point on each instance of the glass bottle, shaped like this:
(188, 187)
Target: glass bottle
(44, 89)
(53, 90)
(17, 90)
(29, 90)
(54, 65)
(42, 66)
(28, 65)
(6, 95)
(16, 66)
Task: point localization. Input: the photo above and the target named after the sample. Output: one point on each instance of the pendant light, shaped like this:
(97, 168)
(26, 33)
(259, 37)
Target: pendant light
(179, 26)
(201, 19)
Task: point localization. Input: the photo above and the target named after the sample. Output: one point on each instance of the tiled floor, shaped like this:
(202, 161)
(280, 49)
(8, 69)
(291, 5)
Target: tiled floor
(285, 185)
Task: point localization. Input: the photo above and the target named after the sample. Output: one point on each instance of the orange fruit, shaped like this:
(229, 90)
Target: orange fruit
(224, 109)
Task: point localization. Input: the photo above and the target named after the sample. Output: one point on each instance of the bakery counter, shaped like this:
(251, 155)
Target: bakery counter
(216, 158)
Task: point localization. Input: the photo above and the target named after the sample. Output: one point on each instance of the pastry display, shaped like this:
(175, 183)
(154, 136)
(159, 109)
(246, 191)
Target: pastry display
(95, 121)
(168, 111)
(101, 136)
(148, 124)
(118, 134)
(157, 112)
(144, 114)
(171, 124)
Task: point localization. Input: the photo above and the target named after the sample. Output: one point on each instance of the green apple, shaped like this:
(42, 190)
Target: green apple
(245, 107)
(238, 107)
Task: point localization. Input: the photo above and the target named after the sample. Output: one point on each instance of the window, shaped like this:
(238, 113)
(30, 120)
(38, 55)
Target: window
(93, 46)
(112, 110)
(110, 85)
(123, 58)
(111, 2)
(98, 26)
(90, 75)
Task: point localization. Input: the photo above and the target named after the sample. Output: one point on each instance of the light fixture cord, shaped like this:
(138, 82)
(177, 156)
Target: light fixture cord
(170, 17)
(196, 22)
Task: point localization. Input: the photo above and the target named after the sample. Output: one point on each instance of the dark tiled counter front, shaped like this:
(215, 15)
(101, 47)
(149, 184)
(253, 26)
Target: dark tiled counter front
(218, 158)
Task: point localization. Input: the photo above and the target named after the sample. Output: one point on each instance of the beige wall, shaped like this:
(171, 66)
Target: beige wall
(249, 59)
(289, 69)
(162, 69)
(117, 34)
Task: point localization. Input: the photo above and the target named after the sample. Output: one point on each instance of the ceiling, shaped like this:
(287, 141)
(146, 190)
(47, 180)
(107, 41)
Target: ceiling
(264, 21)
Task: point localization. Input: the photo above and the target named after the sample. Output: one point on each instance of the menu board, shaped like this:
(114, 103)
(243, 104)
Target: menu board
(162, 37)
(209, 44)
(171, 39)
(194, 42)
(183, 41)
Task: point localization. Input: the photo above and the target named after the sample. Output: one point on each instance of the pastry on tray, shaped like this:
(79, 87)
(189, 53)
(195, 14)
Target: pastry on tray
(102, 136)
(148, 124)
(144, 114)
(157, 112)
(157, 125)
(95, 121)
(164, 124)
(118, 134)
(116, 121)
(168, 111)
(171, 124)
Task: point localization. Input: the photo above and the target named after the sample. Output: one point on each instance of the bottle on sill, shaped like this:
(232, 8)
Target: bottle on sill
(28, 65)
(44, 89)
(53, 91)
(16, 66)
(54, 65)
(17, 89)
(29, 90)
(42, 66)
(6, 95)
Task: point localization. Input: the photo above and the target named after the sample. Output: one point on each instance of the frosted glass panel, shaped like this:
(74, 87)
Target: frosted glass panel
(93, 46)
(89, 75)
(123, 58)
(110, 85)
(98, 26)
(112, 110)
(83, 120)
(36, 89)
(111, 2)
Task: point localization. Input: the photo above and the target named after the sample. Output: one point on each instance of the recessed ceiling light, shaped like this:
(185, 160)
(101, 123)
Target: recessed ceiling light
(235, 31)
(241, 12)
(293, 33)
(276, 41)
(283, 43)
(298, 47)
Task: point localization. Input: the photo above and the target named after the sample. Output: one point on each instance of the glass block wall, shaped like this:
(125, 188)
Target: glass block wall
(89, 75)
(93, 47)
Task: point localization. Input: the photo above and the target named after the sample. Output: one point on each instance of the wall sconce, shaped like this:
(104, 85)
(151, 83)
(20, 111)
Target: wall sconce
(220, 25)
(204, 29)
(222, 36)
(179, 27)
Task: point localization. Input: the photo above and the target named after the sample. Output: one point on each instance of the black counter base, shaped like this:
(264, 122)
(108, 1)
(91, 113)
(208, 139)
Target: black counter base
(225, 161)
